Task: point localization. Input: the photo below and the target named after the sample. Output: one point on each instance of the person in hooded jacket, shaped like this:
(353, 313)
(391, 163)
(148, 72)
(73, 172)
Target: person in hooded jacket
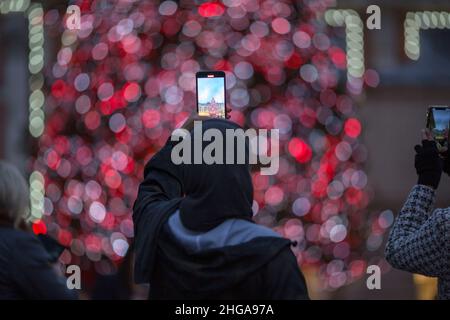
(195, 238)
(419, 240)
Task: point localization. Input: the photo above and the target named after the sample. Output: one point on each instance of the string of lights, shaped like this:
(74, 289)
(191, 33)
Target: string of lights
(35, 16)
(416, 21)
(354, 36)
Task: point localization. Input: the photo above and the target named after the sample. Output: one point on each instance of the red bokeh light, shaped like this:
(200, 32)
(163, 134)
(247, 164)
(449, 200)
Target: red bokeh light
(151, 118)
(281, 25)
(337, 55)
(211, 9)
(39, 227)
(59, 89)
(300, 150)
(294, 61)
(131, 91)
(92, 120)
(64, 237)
(319, 187)
(352, 128)
(53, 159)
(353, 196)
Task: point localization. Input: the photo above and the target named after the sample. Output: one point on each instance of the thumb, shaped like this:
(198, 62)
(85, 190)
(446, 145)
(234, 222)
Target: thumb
(427, 135)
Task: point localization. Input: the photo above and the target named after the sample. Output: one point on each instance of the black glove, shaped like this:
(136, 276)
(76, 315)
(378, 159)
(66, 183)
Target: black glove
(428, 164)
(446, 168)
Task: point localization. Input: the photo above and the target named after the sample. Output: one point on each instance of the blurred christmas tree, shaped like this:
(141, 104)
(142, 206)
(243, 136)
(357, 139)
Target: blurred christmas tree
(122, 83)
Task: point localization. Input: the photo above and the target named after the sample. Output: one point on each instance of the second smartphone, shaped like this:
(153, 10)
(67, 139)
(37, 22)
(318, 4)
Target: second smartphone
(438, 122)
(211, 97)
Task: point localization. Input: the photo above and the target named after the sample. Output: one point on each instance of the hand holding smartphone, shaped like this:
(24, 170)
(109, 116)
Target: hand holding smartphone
(211, 97)
(438, 122)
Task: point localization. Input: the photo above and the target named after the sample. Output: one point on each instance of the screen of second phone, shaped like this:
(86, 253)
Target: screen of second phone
(441, 119)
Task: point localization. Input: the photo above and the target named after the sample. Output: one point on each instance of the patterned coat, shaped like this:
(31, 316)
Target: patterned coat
(419, 241)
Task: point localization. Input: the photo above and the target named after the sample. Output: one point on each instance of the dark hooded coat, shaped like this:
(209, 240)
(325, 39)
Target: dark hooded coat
(26, 271)
(194, 237)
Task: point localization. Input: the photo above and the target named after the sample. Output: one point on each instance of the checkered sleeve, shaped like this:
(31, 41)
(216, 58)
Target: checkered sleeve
(417, 242)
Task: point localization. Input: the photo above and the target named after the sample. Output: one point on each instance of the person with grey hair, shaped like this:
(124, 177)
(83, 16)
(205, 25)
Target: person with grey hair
(419, 241)
(26, 270)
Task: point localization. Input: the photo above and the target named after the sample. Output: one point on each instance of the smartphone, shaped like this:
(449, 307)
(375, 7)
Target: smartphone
(211, 99)
(438, 121)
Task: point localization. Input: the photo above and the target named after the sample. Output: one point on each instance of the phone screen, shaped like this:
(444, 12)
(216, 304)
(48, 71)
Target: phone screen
(438, 123)
(211, 94)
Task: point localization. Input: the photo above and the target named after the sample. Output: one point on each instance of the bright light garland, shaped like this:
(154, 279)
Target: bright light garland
(35, 16)
(354, 36)
(424, 20)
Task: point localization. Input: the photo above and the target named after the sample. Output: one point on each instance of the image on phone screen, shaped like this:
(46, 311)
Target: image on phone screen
(211, 94)
(438, 123)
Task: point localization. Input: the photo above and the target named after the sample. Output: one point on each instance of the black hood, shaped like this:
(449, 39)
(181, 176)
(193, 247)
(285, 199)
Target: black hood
(216, 192)
(211, 272)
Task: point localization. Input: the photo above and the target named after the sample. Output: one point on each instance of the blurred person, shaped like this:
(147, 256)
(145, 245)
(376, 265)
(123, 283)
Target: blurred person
(419, 241)
(26, 269)
(195, 238)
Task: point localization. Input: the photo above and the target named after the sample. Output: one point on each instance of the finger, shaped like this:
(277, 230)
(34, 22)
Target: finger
(202, 118)
(426, 135)
(423, 134)
(228, 111)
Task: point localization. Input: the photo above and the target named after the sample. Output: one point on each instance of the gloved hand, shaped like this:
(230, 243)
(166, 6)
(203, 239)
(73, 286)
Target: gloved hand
(428, 164)
(447, 158)
(446, 168)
